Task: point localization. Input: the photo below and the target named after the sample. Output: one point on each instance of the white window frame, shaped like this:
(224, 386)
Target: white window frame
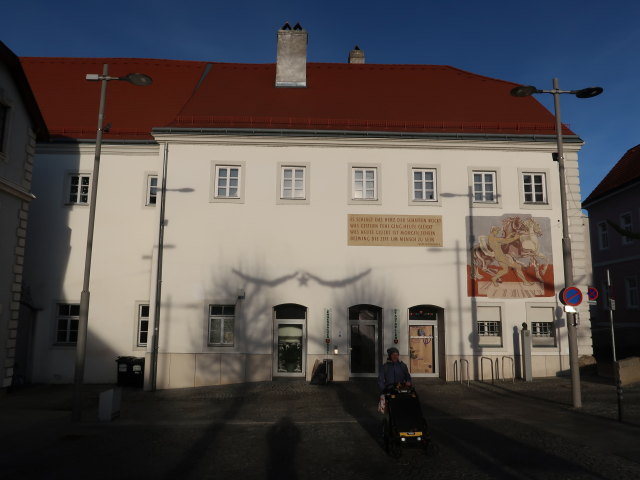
(228, 314)
(214, 195)
(413, 169)
(628, 226)
(490, 339)
(69, 318)
(300, 200)
(69, 185)
(543, 332)
(141, 318)
(149, 191)
(603, 235)
(364, 169)
(632, 292)
(534, 176)
(495, 171)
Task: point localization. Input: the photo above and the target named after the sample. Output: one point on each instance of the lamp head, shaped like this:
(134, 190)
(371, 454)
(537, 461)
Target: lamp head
(524, 91)
(139, 79)
(589, 92)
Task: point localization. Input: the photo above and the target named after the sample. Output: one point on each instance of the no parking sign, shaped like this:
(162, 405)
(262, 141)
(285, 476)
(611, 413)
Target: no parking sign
(571, 296)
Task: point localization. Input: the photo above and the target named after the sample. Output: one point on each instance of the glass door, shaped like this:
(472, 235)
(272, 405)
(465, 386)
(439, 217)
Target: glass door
(364, 341)
(423, 349)
(289, 341)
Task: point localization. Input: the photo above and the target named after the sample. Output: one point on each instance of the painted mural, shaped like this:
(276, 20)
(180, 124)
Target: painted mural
(510, 257)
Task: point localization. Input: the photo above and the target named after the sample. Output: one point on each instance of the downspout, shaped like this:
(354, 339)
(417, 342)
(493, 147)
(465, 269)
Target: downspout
(156, 313)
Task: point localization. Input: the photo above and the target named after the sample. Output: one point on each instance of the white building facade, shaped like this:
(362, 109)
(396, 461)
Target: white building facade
(20, 125)
(283, 245)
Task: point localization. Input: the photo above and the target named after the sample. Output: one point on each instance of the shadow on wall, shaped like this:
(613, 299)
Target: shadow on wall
(61, 190)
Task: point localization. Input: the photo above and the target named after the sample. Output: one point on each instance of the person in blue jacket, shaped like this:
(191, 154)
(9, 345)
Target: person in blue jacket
(393, 371)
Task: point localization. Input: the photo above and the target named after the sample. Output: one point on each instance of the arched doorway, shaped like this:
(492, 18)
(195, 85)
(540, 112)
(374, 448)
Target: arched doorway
(364, 340)
(290, 340)
(425, 343)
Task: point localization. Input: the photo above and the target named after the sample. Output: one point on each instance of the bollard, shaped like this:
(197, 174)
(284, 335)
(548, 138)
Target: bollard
(109, 404)
(526, 353)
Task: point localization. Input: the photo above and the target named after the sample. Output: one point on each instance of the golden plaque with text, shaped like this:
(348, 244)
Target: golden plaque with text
(395, 230)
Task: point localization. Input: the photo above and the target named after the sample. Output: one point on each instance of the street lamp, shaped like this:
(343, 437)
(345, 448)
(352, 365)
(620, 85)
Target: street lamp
(525, 91)
(81, 343)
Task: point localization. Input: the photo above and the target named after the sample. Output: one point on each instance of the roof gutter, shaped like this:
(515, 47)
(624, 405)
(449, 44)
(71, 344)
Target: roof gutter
(363, 134)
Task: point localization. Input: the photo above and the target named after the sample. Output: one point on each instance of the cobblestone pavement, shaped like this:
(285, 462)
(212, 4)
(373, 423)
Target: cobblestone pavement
(293, 430)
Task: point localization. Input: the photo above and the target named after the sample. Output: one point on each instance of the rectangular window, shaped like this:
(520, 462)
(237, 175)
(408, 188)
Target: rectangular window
(79, 186)
(534, 188)
(484, 187)
(227, 182)
(67, 319)
(293, 183)
(4, 120)
(152, 190)
(542, 326)
(603, 236)
(626, 224)
(631, 290)
(221, 325)
(143, 325)
(364, 184)
(424, 185)
(489, 326)
(542, 329)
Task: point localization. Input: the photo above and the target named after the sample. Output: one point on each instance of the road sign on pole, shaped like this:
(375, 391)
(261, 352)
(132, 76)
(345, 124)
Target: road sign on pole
(571, 296)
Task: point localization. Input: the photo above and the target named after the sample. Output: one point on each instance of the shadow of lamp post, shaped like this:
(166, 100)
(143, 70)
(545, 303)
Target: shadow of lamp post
(525, 91)
(81, 343)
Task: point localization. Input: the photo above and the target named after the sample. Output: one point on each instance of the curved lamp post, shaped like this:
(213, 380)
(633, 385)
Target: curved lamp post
(525, 91)
(81, 344)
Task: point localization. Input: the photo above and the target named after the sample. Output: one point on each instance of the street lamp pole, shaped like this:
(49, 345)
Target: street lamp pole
(572, 323)
(83, 320)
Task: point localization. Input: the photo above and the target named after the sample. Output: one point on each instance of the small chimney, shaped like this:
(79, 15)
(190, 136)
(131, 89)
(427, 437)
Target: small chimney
(291, 67)
(356, 55)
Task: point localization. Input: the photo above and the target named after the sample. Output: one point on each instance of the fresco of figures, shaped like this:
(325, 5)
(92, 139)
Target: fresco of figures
(510, 257)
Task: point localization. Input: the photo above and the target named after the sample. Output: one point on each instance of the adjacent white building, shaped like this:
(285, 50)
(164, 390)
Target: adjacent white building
(21, 123)
(311, 211)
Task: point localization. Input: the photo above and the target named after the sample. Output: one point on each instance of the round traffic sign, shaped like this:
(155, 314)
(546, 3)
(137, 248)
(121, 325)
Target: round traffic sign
(592, 293)
(571, 296)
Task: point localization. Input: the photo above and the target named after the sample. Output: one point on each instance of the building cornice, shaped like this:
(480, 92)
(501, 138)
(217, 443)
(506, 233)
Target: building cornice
(543, 143)
(16, 190)
(89, 148)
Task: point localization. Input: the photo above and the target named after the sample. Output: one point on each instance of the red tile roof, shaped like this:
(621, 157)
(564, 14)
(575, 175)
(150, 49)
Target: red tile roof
(356, 97)
(70, 103)
(625, 172)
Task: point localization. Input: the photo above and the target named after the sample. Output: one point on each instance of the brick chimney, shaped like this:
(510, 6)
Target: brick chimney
(356, 55)
(291, 67)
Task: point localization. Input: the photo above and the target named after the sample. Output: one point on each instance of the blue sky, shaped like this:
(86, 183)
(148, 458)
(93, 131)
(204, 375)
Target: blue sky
(583, 43)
